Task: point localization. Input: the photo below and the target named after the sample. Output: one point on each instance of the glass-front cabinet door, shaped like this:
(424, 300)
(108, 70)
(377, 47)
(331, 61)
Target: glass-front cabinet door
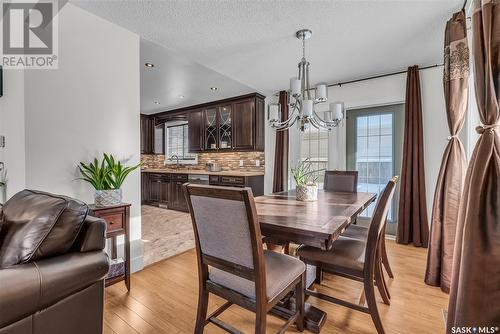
(225, 127)
(210, 119)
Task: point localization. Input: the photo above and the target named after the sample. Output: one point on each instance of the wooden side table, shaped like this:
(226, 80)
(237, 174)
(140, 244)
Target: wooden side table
(117, 219)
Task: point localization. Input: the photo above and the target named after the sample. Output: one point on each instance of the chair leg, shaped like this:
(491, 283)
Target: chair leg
(372, 305)
(319, 274)
(384, 282)
(299, 302)
(260, 319)
(385, 260)
(379, 280)
(202, 311)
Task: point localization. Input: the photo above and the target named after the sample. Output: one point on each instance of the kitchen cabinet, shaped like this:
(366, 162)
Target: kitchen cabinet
(234, 124)
(195, 130)
(166, 189)
(156, 189)
(244, 115)
(147, 125)
(255, 182)
(152, 137)
(176, 192)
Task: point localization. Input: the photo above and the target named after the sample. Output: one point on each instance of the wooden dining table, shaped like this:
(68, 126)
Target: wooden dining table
(284, 219)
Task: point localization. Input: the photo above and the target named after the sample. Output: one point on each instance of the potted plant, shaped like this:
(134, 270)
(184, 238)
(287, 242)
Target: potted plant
(107, 178)
(3, 184)
(306, 181)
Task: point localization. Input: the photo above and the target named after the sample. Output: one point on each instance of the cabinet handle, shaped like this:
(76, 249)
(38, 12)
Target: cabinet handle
(111, 222)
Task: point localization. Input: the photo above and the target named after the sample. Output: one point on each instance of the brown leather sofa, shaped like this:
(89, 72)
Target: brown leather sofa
(52, 266)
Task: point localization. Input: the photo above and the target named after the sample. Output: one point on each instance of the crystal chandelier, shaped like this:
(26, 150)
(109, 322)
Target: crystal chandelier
(301, 104)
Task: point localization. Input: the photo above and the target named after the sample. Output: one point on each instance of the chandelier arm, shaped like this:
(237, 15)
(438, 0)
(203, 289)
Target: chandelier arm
(287, 126)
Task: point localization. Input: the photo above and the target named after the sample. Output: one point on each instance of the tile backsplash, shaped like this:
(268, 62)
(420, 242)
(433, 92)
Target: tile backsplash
(228, 160)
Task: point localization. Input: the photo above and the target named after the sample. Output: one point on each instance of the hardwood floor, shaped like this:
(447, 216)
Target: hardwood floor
(163, 299)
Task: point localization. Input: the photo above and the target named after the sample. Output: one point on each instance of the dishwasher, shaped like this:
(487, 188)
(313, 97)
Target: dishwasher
(198, 179)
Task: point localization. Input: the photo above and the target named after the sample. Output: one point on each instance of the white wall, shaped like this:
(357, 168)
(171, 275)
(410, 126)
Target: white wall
(12, 127)
(390, 90)
(88, 106)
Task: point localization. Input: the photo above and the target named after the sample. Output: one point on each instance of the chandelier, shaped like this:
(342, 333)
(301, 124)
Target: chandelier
(301, 104)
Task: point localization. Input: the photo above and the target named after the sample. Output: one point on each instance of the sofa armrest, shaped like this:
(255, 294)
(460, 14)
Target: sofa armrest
(92, 236)
(28, 288)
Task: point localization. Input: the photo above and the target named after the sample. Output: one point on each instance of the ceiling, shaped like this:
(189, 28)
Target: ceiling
(174, 76)
(253, 43)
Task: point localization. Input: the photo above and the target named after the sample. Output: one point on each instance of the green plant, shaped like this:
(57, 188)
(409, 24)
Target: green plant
(105, 175)
(117, 172)
(304, 174)
(3, 177)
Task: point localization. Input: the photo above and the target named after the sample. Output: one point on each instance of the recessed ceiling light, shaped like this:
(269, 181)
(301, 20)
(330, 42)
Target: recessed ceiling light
(181, 96)
(214, 88)
(149, 65)
(157, 102)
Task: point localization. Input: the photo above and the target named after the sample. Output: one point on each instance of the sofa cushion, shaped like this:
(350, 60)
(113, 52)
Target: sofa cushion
(37, 225)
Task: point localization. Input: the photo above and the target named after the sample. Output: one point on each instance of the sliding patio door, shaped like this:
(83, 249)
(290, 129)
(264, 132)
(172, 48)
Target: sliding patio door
(374, 149)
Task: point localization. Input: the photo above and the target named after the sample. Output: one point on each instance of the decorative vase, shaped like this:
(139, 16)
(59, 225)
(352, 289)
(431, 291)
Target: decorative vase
(307, 193)
(107, 197)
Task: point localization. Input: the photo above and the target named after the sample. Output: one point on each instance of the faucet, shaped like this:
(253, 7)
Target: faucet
(176, 157)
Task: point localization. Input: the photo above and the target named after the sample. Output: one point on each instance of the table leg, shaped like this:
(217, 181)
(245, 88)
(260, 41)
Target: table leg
(127, 254)
(113, 248)
(314, 317)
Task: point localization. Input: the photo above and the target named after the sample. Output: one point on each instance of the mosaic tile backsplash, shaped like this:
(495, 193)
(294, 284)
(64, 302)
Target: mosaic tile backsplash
(228, 161)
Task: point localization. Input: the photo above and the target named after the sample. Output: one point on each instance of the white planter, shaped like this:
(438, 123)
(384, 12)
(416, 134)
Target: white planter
(107, 197)
(307, 193)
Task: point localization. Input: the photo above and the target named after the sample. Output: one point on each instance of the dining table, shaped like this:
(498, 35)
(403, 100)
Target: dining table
(318, 223)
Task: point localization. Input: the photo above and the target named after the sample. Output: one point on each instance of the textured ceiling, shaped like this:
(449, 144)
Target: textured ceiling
(253, 42)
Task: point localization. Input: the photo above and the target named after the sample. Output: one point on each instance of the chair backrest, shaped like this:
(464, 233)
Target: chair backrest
(341, 180)
(377, 225)
(227, 232)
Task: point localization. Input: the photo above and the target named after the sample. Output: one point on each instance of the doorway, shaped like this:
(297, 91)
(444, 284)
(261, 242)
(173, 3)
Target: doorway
(374, 149)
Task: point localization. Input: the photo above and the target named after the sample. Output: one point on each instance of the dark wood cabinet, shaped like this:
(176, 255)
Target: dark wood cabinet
(155, 189)
(195, 131)
(147, 126)
(244, 125)
(152, 137)
(165, 189)
(117, 219)
(235, 124)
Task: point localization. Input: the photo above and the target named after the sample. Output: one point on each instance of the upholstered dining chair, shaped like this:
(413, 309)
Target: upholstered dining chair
(232, 263)
(341, 180)
(356, 259)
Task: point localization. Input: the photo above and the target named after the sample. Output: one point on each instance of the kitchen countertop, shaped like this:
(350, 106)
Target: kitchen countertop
(200, 172)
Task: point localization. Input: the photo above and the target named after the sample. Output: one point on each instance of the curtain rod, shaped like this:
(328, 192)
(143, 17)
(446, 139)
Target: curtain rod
(381, 76)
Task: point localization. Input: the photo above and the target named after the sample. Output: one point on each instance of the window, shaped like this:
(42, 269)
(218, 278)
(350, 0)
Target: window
(374, 154)
(315, 146)
(176, 143)
(374, 146)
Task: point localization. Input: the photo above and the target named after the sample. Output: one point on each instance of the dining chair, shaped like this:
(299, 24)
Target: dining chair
(355, 259)
(232, 263)
(341, 180)
(361, 232)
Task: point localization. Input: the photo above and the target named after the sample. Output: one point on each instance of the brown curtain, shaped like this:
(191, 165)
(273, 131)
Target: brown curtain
(280, 179)
(475, 286)
(453, 166)
(413, 226)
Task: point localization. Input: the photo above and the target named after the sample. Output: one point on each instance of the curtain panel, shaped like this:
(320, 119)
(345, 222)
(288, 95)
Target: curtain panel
(475, 287)
(280, 177)
(413, 226)
(451, 176)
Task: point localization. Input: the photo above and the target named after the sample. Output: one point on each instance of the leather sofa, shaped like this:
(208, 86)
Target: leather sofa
(52, 266)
